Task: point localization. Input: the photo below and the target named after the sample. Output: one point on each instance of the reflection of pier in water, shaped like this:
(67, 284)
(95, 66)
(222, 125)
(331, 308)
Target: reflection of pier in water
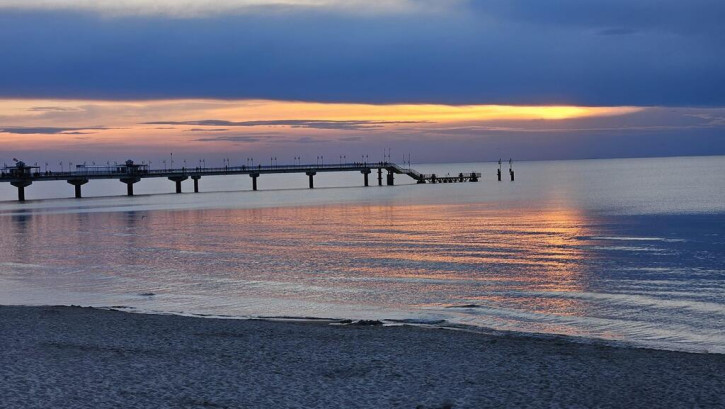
(21, 175)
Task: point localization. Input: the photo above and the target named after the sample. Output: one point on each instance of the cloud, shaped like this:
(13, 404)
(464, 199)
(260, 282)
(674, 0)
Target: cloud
(202, 129)
(195, 8)
(52, 109)
(292, 123)
(47, 130)
(230, 138)
(616, 31)
(692, 16)
(520, 52)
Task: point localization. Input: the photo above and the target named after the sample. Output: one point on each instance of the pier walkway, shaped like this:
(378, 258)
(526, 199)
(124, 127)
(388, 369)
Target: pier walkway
(21, 175)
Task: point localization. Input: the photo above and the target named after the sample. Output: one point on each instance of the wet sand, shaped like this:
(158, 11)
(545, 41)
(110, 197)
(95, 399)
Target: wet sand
(71, 357)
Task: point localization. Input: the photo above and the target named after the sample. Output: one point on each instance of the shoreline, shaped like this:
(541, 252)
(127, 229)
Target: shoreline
(57, 356)
(440, 324)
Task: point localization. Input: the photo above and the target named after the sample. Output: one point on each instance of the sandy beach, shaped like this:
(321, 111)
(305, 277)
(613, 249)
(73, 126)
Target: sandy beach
(72, 357)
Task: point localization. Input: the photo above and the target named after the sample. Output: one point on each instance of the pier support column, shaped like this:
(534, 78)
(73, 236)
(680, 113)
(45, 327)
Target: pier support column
(365, 173)
(178, 180)
(77, 183)
(21, 185)
(196, 183)
(311, 175)
(390, 178)
(511, 172)
(129, 184)
(380, 176)
(254, 177)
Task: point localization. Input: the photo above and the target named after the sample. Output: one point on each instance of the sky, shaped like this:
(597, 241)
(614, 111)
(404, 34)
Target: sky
(439, 80)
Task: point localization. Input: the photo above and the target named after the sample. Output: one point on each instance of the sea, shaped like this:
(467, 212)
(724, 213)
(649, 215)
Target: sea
(628, 251)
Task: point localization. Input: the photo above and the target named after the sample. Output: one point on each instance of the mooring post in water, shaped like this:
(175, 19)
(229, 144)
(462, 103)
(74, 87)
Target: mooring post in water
(365, 173)
(129, 184)
(196, 178)
(499, 170)
(254, 177)
(511, 169)
(77, 183)
(311, 174)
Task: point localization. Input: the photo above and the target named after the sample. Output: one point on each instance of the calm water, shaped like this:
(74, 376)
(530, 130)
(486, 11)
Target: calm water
(625, 250)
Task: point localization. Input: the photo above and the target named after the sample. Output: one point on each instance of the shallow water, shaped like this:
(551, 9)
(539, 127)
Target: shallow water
(626, 250)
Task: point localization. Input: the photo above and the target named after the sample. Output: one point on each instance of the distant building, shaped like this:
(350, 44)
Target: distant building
(19, 170)
(127, 168)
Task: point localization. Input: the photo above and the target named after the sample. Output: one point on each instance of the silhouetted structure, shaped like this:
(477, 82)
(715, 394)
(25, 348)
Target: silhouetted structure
(20, 175)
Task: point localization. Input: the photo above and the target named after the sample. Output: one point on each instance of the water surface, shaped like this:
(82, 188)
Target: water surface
(625, 250)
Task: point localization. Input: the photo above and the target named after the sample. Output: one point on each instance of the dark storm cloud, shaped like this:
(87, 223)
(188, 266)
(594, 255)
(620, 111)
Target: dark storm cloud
(615, 52)
(293, 123)
(46, 130)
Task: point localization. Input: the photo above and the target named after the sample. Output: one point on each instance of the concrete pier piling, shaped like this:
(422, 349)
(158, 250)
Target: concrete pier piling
(365, 173)
(196, 178)
(380, 176)
(77, 183)
(21, 185)
(129, 184)
(254, 177)
(311, 175)
(178, 180)
(391, 178)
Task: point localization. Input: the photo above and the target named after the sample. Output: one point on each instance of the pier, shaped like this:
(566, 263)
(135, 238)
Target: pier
(22, 175)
